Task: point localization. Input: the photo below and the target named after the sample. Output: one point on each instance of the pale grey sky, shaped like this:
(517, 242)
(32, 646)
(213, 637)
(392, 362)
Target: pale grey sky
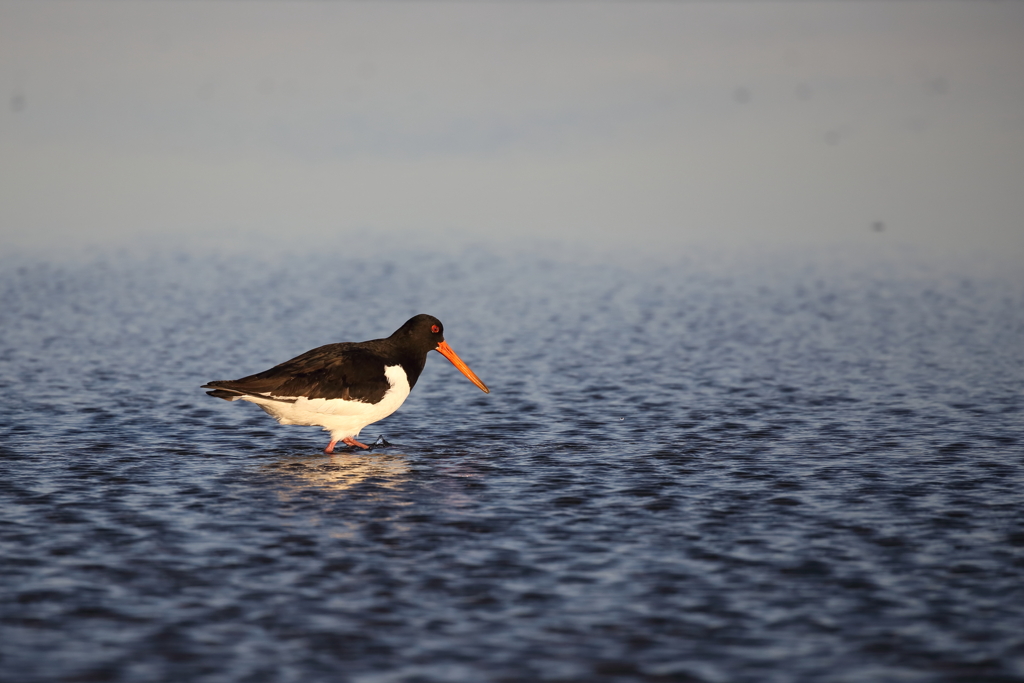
(630, 125)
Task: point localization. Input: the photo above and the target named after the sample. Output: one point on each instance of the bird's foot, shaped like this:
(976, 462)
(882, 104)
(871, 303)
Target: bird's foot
(380, 442)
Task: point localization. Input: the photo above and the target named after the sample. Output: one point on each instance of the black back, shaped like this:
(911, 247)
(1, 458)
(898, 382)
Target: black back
(350, 371)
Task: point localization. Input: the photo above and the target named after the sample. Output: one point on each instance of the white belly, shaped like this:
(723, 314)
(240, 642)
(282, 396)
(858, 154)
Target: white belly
(343, 419)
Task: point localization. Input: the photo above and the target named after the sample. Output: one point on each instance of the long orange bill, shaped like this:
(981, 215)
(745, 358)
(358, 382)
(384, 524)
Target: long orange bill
(447, 352)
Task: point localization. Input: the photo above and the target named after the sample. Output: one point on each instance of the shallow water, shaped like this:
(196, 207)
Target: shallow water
(757, 472)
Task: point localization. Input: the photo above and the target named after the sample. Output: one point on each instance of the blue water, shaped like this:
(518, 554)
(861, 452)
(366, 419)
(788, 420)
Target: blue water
(756, 471)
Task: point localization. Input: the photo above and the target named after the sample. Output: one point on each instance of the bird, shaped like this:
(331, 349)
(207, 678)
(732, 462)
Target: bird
(346, 386)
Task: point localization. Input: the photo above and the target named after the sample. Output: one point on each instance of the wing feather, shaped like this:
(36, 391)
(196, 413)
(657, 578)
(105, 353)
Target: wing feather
(335, 371)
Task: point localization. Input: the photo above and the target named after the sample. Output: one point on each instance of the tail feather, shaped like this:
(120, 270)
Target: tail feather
(220, 391)
(229, 394)
(224, 394)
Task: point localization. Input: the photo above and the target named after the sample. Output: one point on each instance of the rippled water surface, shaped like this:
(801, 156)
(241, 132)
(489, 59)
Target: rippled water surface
(766, 472)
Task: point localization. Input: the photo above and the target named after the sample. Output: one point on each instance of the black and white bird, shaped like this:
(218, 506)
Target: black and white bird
(345, 387)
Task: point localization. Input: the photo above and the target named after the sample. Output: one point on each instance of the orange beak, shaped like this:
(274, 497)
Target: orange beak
(447, 352)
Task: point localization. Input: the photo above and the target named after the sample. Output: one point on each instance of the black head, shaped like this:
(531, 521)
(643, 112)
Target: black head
(421, 332)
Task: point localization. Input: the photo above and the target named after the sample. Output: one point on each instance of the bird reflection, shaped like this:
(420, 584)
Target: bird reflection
(343, 471)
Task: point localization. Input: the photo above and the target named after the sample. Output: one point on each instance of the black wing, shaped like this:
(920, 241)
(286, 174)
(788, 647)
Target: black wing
(346, 371)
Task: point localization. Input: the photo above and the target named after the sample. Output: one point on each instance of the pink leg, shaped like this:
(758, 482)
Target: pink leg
(352, 442)
(330, 446)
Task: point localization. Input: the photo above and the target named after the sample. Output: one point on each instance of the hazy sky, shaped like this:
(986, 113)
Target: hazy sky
(632, 124)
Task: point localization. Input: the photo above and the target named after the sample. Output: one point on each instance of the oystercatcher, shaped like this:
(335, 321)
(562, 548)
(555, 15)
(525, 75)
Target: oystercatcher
(344, 387)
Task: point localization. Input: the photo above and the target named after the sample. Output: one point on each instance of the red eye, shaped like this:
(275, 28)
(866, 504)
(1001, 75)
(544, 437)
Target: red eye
(435, 329)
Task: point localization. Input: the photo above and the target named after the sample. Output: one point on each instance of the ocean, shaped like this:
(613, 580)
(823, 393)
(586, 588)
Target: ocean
(764, 469)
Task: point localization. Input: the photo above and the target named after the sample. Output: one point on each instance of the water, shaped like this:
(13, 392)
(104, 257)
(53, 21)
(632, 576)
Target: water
(707, 473)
